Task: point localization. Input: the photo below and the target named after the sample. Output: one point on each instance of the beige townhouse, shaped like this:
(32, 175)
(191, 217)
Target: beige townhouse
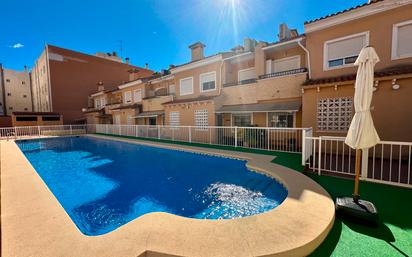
(334, 42)
(262, 83)
(137, 102)
(257, 84)
(197, 83)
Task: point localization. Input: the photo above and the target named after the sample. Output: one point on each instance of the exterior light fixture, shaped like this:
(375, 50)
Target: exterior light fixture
(395, 86)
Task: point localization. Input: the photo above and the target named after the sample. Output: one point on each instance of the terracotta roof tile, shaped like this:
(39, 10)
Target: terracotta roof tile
(343, 11)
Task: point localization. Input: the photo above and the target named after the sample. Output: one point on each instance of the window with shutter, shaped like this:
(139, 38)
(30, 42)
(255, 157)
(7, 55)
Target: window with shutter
(402, 40)
(342, 52)
(207, 81)
(186, 86)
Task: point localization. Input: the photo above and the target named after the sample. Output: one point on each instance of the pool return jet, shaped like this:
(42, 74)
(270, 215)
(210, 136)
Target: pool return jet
(361, 135)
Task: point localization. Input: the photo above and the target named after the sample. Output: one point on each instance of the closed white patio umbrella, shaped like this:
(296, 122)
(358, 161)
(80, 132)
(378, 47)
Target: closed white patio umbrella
(362, 133)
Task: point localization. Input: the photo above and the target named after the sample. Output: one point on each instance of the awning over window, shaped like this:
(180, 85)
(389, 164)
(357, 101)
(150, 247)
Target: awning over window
(290, 106)
(148, 114)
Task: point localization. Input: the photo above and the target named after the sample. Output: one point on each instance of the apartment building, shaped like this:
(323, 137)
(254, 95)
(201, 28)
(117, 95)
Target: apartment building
(62, 79)
(15, 91)
(138, 101)
(334, 43)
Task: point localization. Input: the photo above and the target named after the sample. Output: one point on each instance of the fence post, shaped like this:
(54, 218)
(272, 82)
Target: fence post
(210, 135)
(173, 134)
(71, 130)
(303, 147)
(235, 136)
(38, 130)
(320, 155)
(190, 134)
(158, 132)
(365, 155)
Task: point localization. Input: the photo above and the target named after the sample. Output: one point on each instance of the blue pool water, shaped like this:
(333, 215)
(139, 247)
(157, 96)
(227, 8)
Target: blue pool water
(103, 184)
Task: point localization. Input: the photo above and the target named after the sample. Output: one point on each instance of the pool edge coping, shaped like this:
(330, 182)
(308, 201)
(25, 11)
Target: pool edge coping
(251, 246)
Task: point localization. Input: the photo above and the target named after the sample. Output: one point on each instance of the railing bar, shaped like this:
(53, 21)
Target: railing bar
(390, 166)
(400, 161)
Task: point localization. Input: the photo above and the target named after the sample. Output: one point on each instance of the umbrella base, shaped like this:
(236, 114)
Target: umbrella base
(362, 210)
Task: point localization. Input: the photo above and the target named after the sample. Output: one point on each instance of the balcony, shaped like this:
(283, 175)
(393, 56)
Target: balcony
(237, 83)
(283, 73)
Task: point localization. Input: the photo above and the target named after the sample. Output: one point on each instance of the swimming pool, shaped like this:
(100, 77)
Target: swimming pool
(103, 184)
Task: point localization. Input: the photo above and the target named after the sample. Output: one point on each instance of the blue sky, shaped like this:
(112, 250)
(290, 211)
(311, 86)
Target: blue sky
(153, 31)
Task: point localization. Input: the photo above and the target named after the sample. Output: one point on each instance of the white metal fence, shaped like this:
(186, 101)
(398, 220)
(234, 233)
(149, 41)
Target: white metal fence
(38, 131)
(388, 162)
(273, 139)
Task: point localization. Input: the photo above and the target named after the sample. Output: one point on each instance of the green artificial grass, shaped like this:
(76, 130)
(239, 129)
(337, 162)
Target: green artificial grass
(393, 235)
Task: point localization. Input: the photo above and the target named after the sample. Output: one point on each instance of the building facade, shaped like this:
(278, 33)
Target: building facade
(334, 42)
(297, 81)
(62, 79)
(15, 91)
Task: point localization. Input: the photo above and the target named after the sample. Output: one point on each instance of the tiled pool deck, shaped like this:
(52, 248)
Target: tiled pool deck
(34, 223)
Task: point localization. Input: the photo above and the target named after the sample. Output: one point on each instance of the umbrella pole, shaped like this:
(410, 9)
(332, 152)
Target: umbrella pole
(357, 175)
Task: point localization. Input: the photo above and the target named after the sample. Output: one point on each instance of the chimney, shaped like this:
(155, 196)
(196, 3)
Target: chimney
(146, 65)
(284, 32)
(127, 60)
(249, 44)
(197, 51)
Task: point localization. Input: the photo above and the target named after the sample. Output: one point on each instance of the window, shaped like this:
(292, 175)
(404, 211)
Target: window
(7, 80)
(137, 94)
(284, 64)
(26, 109)
(23, 82)
(129, 119)
(280, 119)
(342, 52)
(127, 97)
(174, 118)
(116, 119)
(201, 119)
(172, 89)
(334, 114)
(242, 120)
(246, 74)
(50, 118)
(97, 103)
(103, 101)
(26, 118)
(186, 86)
(24, 96)
(8, 94)
(152, 121)
(402, 40)
(11, 108)
(207, 81)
